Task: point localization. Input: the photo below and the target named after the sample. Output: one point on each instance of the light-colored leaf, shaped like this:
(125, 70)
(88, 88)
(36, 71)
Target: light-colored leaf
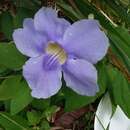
(103, 113)
(119, 120)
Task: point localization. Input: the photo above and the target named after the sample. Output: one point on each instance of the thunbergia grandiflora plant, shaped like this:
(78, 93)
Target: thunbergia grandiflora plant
(54, 46)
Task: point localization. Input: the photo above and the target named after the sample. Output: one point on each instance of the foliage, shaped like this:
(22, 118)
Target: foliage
(20, 111)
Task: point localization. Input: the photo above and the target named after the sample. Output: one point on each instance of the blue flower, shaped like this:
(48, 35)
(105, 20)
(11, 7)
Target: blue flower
(55, 46)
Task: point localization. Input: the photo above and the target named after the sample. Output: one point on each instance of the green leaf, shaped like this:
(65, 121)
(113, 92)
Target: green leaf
(10, 57)
(85, 8)
(33, 117)
(125, 2)
(6, 23)
(71, 103)
(49, 112)
(2, 69)
(69, 11)
(31, 4)
(13, 122)
(7, 105)
(120, 44)
(119, 9)
(40, 104)
(45, 125)
(102, 76)
(119, 89)
(21, 14)
(9, 87)
(22, 98)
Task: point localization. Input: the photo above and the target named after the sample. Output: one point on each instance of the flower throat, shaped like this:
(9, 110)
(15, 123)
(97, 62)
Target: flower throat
(57, 52)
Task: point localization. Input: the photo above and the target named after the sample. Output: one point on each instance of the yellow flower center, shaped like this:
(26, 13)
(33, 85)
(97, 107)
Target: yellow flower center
(57, 51)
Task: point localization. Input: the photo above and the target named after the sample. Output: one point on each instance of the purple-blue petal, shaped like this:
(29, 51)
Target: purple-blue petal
(81, 76)
(43, 82)
(47, 21)
(28, 41)
(84, 39)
